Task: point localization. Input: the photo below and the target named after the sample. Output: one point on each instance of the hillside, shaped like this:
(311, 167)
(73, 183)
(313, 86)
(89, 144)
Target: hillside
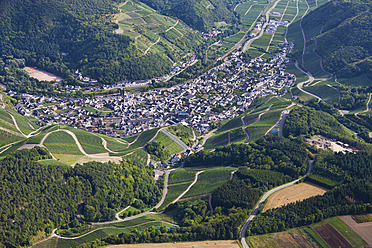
(344, 41)
(60, 36)
(199, 14)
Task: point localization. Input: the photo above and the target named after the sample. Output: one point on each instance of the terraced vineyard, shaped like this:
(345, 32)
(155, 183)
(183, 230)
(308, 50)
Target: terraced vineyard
(154, 32)
(209, 180)
(63, 147)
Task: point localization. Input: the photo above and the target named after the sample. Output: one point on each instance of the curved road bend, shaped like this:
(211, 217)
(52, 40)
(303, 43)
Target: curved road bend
(188, 188)
(263, 199)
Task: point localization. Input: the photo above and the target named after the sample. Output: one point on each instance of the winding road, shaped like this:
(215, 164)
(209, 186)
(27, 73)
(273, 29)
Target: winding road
(262, 201)
(188, 188)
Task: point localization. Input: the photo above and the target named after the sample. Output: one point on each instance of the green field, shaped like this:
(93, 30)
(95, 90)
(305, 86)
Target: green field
(326, 92)
(114, 145)
(181, 175)
(138, 155)
(233, 123)
(262, 42)
(146, 26)
(174, 191)
(210, 180)
(26, 124)
(91, 143)
(51, 162)
(216, 140)
(144, 138)
(61, 144)
(37, 138)
(167, 143)
(131, 138)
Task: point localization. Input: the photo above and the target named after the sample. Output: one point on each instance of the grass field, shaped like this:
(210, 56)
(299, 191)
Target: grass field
(174, 191)
(144, 138)
(138, 155)
(216, 141)
(296, 237)
(181, 175)
(297, 192)
(346, 231)
(209, 180)
(61, 144)
(362, 218)
(196, 244)
(37, 138)
(168, 144)
(91, 143)
(231, 124)
(52, 242)
(26, 124)
(114, 145)
(51, 162)
(131, 138)
(323, 90)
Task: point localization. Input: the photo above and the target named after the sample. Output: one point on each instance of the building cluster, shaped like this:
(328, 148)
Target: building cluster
(222, 93)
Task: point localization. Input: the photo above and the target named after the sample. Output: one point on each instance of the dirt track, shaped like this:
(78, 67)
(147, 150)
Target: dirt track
(202, 244)
(297, 192)
(364, 230)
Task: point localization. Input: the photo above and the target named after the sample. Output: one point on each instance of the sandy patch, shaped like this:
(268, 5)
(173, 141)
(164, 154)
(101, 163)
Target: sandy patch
(202, 244)
(364, 230)
(297, 192)
(42, 75)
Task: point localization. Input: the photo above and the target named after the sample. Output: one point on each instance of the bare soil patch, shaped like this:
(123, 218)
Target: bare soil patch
(297, 192)
(201, 244)
(42, 75)
(364, 230)
(331, 236)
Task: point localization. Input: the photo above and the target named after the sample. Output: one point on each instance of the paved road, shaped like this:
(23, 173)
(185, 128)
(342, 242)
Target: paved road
(311, 79)
(263, 199)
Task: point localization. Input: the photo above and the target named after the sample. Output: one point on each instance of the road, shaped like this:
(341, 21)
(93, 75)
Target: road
(156, 42)
(33, 133)
(188, 188)
(263, 199)
(245, 37)
(247, 45)
(311, 79)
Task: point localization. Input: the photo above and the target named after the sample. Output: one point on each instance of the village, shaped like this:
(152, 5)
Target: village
(224, 92)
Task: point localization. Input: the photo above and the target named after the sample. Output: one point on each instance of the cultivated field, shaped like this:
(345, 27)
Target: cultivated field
(291, 238)
(297, 192)
(364, 230)
(42, 75)
(201, 244)
(331, 236)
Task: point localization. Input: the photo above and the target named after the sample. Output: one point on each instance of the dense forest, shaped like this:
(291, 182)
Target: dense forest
(270, 152)
(196, 13)
(60, 36)
(37, 198)
(345, 43)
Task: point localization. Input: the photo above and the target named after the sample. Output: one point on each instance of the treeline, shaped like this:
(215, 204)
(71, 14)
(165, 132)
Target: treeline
(360, 124)
(197, 223)
(343, 167)
(36, 198)
(351, 198)
(270, 152)
(157, 151)
(345, 43)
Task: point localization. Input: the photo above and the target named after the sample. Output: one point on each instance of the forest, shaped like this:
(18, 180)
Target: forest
(270, 152)
(62, 36)
(345, 43)
(37, 198)
(196, 13)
